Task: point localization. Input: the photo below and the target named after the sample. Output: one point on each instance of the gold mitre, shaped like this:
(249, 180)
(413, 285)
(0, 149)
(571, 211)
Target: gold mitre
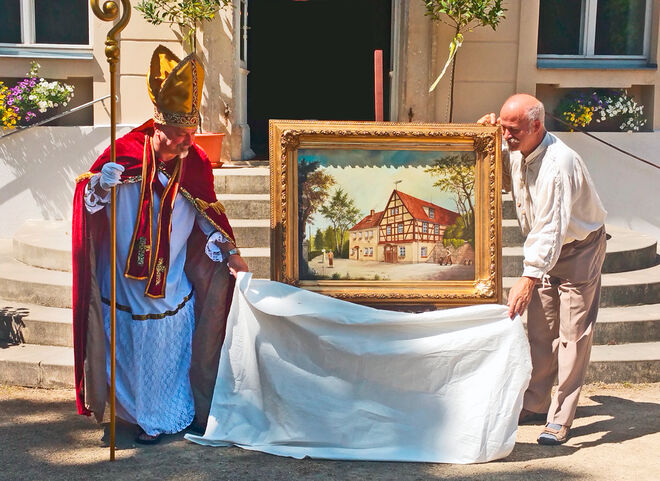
(175, 88)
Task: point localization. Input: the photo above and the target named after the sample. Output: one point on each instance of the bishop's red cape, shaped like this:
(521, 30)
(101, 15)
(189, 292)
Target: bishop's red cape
(212, 284)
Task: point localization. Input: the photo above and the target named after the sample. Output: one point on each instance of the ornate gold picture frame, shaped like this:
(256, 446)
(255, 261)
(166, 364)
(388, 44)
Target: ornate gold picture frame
(387, 213)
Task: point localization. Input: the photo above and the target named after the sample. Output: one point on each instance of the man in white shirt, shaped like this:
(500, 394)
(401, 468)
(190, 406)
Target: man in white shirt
(562, 218)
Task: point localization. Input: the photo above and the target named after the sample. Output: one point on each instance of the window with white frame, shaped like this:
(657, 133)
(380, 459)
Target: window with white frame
(402, 251)
(436, 229)
(425, 227)
(399, 228)
(388, 229)
(423, 252)
(39, 23)
(594, 29)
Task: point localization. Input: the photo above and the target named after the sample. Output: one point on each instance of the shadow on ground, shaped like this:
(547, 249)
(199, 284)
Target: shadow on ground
(41, 438)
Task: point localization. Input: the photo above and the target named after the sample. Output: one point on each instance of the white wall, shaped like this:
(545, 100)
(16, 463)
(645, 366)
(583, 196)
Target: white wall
(628, 188)
(38, 168)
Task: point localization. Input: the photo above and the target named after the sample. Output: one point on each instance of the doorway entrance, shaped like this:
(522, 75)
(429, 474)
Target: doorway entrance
(313, 59)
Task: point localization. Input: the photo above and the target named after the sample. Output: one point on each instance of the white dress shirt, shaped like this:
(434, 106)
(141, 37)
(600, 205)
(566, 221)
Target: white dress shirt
(556, 202)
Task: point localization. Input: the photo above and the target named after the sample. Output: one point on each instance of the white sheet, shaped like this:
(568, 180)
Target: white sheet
(303, 374)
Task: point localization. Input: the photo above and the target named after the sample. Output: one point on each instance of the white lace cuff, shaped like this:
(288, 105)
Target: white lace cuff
(212, 249)
(94, 202)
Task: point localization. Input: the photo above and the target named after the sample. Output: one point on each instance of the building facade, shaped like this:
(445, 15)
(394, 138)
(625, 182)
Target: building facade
(290, 59)
(409, 230)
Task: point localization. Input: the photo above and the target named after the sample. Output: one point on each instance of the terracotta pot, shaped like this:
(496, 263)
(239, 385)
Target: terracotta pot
(212, 145)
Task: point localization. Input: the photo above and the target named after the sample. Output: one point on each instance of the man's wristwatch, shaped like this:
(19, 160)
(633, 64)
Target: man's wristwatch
(233, 251)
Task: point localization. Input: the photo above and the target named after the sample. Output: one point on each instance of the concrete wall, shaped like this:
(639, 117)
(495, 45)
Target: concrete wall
(627, 187)
(38, 168)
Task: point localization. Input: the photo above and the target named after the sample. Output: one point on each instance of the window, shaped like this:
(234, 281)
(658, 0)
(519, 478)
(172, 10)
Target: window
(423, 252)
(431, 213)
(402, 251)
(594, 29)
(425, 227)
(389, 229)
(399, 228)
(436, 229)
(44, 23)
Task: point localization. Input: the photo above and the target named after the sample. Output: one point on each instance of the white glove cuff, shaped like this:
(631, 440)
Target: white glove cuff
(212, 249)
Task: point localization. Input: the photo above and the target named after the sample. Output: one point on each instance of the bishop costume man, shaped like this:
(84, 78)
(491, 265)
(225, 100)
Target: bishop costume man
(175, 251)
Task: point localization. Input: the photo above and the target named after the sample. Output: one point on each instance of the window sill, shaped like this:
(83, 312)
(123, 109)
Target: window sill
(84, 53)
(591, 63)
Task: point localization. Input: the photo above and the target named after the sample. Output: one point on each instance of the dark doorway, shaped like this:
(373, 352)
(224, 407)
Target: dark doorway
(313, 59)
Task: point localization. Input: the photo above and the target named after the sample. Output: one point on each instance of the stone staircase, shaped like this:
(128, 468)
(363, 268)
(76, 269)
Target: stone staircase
(627, 335)
(35, 281)
(35, 290)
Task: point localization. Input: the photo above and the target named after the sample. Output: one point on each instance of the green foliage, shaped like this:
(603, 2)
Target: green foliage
(465, 15)
(460, 232)
(184, 13)
(342, 214)
(314, 191)
(456, 175)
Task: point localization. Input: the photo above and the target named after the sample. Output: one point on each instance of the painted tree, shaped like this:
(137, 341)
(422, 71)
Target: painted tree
(455, 174)
(462, 16)
(314, 191)
(342, 214)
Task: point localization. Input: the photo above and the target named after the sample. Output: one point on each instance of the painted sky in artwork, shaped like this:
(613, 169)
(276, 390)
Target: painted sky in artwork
(369, 175)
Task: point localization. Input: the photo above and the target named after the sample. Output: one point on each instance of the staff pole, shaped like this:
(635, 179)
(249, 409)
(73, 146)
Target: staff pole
(109, 12)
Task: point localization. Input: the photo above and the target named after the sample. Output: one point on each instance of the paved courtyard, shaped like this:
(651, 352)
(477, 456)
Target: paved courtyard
(616, 437)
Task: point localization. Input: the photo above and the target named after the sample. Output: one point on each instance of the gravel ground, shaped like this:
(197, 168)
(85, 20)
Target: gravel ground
(616, 436)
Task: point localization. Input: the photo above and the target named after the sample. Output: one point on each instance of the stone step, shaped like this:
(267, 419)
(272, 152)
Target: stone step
(625, 325)
(26, 323)
(246, 206)
(622, 288)
(52, 366)
(626, 251)
(247, 180)
(508, 207)
(24, 283)
(512, 236)
(629, 324)
(44, 243)
(36, 366)
(635, 363)
(258, 261)
(251, 232)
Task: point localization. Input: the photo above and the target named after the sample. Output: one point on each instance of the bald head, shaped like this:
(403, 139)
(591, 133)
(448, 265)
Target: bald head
(521, 117)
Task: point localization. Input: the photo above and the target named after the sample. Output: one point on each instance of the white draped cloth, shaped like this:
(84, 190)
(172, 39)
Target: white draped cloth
(303, 374)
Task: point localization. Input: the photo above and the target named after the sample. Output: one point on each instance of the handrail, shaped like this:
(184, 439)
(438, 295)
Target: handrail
(54, 117)
(602, 141)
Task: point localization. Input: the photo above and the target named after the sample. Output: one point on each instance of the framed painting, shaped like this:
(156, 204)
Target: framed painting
(387, 213)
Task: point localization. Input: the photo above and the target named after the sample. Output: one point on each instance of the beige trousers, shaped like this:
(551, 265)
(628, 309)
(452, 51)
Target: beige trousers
(560, 323)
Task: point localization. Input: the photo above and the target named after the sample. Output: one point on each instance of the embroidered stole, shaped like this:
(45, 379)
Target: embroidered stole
(146, 261)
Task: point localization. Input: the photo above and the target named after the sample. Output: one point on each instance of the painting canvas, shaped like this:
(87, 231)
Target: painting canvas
(413, 220)
(386, 212)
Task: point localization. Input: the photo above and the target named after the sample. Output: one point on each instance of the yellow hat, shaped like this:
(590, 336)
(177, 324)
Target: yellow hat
(175, 88)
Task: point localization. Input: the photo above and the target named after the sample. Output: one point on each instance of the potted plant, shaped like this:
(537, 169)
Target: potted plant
(614, 108)
(188, 15)
(26, 102)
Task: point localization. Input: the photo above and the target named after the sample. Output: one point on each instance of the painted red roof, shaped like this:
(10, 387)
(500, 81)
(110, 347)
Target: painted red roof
(369, 221)
(416, 208)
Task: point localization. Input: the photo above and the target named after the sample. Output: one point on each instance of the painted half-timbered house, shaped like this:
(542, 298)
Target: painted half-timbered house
(412, 229)
(363, 238)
